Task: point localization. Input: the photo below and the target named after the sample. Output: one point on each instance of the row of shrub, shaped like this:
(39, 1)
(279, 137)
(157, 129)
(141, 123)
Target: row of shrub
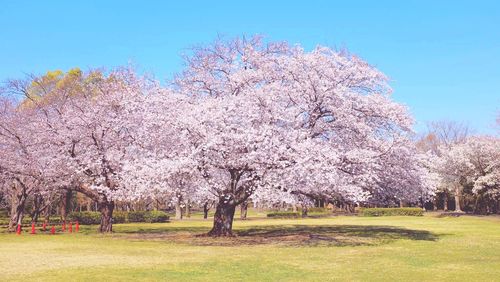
(283, 214)
(88, 217)
(391, 211)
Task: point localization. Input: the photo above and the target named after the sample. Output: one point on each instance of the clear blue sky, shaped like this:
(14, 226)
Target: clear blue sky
(443, 57)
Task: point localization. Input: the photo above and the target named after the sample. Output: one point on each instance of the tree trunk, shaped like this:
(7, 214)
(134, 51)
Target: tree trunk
(206, 208)
(37, 208)
(476, 204)
(457, 199)
(445, 201)
(106, 208)
(178, 209)
(223, 220)
(17, 209)
(65, 204)
(46, 213)
(352, 208)
(304, 211)
(188, 209)
(244, 210)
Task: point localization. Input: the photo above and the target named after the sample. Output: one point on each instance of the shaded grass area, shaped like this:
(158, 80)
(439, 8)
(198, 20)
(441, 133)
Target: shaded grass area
(284, 235)
(340, 248)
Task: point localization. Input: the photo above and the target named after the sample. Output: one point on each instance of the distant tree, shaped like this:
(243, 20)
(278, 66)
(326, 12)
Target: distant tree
(441, 137)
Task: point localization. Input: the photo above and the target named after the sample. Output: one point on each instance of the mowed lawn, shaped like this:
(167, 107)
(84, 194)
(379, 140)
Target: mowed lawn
(428, 248)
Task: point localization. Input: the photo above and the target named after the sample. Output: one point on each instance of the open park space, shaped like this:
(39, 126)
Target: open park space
(432, 247)
(250, 141)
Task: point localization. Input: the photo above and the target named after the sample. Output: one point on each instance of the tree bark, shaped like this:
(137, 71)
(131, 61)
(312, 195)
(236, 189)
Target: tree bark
(106, 208)
(457, 199)
(476, 204)
(445, 201)
(304, 211)
(38, 208)
(46, 213)
(244, 210)
(352, 208)
(188, 209)
(65, 204)
(206, 208)
(223, 220)
(17, 209)
(178, 209)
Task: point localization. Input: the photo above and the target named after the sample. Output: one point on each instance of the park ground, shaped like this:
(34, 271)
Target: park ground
(351, 248)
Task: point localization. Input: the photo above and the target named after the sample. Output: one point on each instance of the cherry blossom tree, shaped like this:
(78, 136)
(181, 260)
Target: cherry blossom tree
(271, 116)
(441, 136)
(83, 126)
(22, 158)
(474, 162)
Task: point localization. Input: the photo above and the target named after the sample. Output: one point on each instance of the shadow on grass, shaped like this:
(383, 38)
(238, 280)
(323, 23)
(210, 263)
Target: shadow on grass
(337, 235)
(287, 235)
(165, 229)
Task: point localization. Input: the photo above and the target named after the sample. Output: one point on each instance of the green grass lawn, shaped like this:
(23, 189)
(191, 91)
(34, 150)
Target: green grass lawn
(335, 248)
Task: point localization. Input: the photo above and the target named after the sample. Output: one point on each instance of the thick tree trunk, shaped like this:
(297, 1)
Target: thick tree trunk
(457, 199)
(223, 220)
(244, 210)
(106, 208)
(206, 208)
(17, 209)
(445, 201)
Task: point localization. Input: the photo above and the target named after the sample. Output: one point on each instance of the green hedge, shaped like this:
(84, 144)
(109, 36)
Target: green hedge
(120, 217)
(86, 217)
(148, 216)
(136, 216)
(391, 211)
(283, 214)
(156, 216)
